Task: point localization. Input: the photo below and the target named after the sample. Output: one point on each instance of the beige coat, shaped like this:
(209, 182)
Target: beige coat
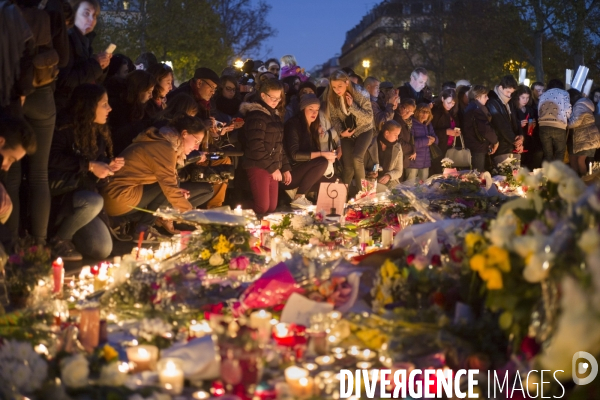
(151, 158)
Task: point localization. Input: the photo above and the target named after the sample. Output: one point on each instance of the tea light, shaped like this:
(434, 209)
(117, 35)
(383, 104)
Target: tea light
(85, 273)
(238, 210)
(305, 388)
(335, 315)
(201, 395)
(310, 366)
(170, 375)
(387, 237)
(261, 321)
(364, 365)
(354, 351)
(144, 357)
(338, 350)
(293, 375)
(366, 355)
(324, 361)
(200, 330)
(281, 330)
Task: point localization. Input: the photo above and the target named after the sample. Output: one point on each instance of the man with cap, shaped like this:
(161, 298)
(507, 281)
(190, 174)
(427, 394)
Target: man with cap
(384, 100)
(201, 87)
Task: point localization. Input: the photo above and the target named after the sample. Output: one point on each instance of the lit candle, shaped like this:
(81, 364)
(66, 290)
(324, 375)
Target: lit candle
(354, 351)
(261, 321)
(338, 350)
(324, 361)
(170, 375)
(301, 385)
(143, 357)
(85, 272)
(100, 280)
(238, 210)
(201, 395)
(335, 315)
(281, 330)
(366, 355)
(200, 330)
(310, 366)
(387, 236)
(58, 272)
(364, 365)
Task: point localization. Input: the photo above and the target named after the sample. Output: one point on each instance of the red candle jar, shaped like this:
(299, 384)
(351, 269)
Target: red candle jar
(58, 273)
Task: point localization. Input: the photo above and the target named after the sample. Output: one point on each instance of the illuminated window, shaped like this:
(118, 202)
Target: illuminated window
(406, 25)
(389, 42)
(405, 43)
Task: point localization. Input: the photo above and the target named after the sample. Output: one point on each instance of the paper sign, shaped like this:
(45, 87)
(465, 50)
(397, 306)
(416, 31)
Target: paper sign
(331, 195)
(299, 309)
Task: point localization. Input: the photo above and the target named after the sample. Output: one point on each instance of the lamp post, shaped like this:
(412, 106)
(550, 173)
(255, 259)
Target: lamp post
(366, 65)
(238, 64)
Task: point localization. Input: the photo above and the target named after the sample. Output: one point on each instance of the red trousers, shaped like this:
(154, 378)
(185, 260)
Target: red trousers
(264, 190)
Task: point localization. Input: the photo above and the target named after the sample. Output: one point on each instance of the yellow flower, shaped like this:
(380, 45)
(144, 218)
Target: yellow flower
(492, 277)
(498, 257)
(477, 262)
(109, 353)
(389, 269)
(205, 255)
(223, 246)
(472, 240)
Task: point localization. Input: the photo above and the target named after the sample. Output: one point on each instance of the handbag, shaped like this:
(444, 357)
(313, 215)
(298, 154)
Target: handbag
(435, 151)
(461, 157)
(349, 123)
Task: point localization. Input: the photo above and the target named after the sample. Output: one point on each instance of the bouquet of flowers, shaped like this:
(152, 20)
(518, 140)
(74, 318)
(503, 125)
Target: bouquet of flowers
(23, 271)
(300, 229)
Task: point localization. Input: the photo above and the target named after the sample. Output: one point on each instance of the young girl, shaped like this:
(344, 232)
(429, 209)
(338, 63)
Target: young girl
(163, 74)
(351, 115)
(289, 67)
(424, 136)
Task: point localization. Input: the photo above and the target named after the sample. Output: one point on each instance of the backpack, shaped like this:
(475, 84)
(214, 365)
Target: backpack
(45, 59)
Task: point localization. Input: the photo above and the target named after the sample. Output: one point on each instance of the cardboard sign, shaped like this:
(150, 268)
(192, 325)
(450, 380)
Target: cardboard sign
(331, 195)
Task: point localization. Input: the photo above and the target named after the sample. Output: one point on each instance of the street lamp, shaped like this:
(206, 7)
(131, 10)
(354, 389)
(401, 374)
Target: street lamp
(238, 64)
(366, 65)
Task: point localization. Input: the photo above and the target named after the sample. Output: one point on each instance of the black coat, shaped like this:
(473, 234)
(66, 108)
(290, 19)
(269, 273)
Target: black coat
(405, 139)
(122, 127)
(297, 140)
(442, 120)
(407, 92)
(263, 138)
(533, 143)
(477, 126)
(503, 124)
(81, 67)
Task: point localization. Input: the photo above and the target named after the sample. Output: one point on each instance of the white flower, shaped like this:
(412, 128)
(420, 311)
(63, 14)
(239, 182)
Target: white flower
(150, 328)
(74, 371)
(287, 234)
(111, 376)
(589, 241)
(557, 171)
(215, 260)
(502, 230)
(526, 245)
(447, 163)
(21, 366)
(300, 221)
(538, 267)
(571, 189)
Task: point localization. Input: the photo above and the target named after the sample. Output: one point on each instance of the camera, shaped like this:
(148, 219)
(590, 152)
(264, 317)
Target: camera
(247, 77)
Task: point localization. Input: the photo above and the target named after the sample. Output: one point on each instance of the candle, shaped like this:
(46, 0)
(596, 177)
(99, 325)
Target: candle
(591, 169)
(338, 350)
(58, 272)
(200, 330)
(100, 281)
(387, 237)
(324, 361)
(310, 366)
(366, 355)
(85, 273)
(301, 385)
(261, 321)
(354, 351)
(201, 395)
(364, 365)
(335, 315)
(143, 357)
(238, 210)
(170, 375)
(274, 246)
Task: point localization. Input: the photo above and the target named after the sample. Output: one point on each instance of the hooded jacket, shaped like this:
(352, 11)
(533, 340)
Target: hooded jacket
(152, 157)
(360, 108)
(421, 135)
(263, 138)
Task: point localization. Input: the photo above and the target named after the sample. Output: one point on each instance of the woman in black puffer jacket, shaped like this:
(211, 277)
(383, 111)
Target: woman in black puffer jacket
(264, 159)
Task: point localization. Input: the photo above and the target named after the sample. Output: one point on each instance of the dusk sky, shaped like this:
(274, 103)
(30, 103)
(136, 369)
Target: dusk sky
(313, 30)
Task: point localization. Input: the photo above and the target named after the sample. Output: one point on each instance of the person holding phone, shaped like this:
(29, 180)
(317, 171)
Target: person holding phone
(424, 136)
(81, 161)
(351, 114)
(526, 116)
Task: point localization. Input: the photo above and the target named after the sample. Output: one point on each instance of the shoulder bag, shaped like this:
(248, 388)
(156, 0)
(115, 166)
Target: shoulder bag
(461, 157)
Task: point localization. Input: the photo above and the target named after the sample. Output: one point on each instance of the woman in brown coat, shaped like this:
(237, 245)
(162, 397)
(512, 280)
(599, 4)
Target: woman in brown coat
(149, 179)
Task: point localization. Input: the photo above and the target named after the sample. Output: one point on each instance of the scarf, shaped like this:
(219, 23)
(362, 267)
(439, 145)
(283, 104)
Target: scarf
(485, 110)
(385, 155)
(503, 99)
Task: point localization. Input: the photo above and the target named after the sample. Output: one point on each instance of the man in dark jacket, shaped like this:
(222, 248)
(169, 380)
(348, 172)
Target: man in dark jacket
(417, 88)
(201, 87)
(504, 123)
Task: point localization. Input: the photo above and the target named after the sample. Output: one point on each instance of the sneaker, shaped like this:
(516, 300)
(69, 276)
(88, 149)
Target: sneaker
(151, 236)
(120, 232)
(291, 193)
(65, 250)
(301, 202)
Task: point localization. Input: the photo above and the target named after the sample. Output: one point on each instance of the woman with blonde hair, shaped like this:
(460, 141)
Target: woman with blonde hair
(424, 136)
(351, 116)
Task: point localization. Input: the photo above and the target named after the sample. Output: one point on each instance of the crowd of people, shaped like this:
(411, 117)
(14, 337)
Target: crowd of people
(103, 137)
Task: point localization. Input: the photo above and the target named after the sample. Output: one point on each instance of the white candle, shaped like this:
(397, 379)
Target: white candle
(310, 366)
(201, 395)
(143, 357)
(364, 365)
(200, 330)
(238, 210)
(170, 375)
(324, 361)
(366, 355)
(387, 237)
(301, 385)
(261, 321)
(591, 170)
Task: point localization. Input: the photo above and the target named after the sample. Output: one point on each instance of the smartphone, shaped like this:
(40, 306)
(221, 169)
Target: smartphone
(111, 48)
(375, 167)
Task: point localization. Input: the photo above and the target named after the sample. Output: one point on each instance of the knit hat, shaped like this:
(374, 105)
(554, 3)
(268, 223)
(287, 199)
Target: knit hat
(208, 74)
(386, 85)
(307, 100)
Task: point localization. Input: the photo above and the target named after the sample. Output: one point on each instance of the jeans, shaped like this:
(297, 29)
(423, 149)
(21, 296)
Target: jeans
(413, 173)
(264, 190)
(152, 199)
(200, 192)
(353, 157)
(306, 174)
(478, 161)
(80, 223)
(40, 112)
(554, 142)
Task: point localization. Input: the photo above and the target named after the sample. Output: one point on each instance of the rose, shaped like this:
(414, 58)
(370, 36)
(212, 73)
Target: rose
(239, 263)
(110, 375)
(215, 260)
(74, 371)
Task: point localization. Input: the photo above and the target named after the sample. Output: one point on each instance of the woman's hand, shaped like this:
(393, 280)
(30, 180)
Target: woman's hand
(495, 147)
(452, 132)
(103, 59)
(227, 129)
(185, 193)
(518, 141)
(329, 155)
(287, 178)
(347, 133)
(276, 175)
(413, 157)
(339, 153)
(431, 140)
(349, 99)
(384, 179)
(116, 164)
(100, 170)
(238, 123)
(524, 123)
(202, 158)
